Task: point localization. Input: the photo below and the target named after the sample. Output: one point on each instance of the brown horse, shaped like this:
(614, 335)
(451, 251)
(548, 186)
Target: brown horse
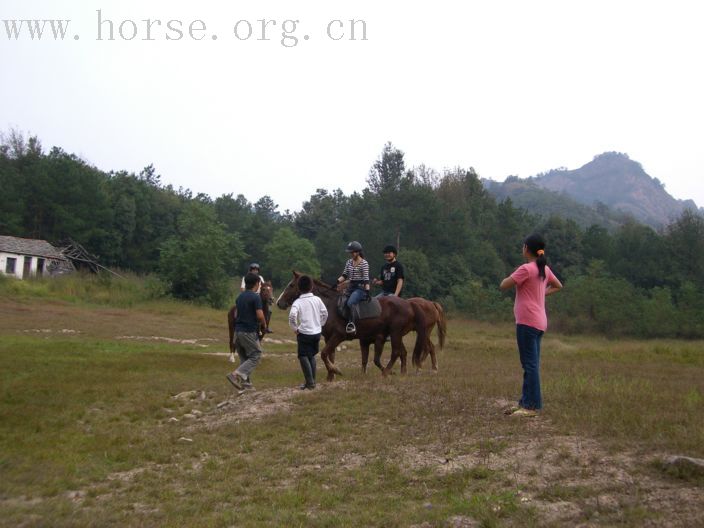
(434, 315)
(396, 316)
(267, 294)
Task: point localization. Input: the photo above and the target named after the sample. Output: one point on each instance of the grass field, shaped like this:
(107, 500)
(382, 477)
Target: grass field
(118, 413)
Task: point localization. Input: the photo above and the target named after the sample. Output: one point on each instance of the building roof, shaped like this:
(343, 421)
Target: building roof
(29, 246)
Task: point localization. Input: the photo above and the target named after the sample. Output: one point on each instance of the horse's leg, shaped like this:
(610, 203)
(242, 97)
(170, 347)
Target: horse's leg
(364, 347)
(328, 355)
(378, 350)
(396, 344)
(403, 354)
(433, 357)
(267, 316)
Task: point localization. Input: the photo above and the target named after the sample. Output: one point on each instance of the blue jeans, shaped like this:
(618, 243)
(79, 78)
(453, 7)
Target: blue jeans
(356, 296)
(528, 339)
(385, 294)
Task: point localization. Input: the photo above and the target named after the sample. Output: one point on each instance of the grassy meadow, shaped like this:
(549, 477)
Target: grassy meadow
(115, 411)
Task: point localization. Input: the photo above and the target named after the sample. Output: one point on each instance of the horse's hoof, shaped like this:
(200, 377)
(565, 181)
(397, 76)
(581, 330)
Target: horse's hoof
(331, 376)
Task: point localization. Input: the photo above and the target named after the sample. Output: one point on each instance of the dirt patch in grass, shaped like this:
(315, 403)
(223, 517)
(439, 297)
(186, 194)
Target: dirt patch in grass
(257, 404)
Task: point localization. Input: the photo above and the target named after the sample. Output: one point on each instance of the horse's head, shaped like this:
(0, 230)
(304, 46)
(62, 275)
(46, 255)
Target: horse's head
(290, 293)
(267, 292)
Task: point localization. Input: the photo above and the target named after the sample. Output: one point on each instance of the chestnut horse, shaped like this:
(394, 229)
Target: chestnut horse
(267, 294)
(434, 316)
(397, 317)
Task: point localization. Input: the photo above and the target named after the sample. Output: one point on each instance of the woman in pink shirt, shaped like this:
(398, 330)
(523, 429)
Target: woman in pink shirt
(533, 282)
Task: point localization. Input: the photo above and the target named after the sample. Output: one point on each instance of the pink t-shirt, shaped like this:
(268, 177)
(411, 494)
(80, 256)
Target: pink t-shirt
(529, 308)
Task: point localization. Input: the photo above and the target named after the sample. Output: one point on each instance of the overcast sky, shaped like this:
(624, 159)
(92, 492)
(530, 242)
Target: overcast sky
(508, 87)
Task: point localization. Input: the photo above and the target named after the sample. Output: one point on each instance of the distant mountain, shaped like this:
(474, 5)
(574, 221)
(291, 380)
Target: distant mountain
(527, 194)
(606, 191)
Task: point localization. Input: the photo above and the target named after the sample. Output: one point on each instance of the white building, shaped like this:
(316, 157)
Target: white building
(24, 257)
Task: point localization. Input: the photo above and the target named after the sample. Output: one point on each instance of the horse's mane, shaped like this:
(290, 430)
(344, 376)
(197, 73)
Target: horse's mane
(323, 284)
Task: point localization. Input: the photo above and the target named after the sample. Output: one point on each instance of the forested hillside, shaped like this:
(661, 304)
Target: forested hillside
(456, 240)
(607, 191)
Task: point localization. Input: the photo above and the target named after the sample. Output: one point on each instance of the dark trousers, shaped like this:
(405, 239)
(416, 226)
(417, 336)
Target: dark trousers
(307, 350)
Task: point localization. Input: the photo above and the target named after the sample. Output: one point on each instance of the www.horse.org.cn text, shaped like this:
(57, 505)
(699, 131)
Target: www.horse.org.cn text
(288, 33)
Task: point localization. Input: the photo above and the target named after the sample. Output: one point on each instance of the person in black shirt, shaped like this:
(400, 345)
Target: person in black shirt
(392, 274)
(250, 317)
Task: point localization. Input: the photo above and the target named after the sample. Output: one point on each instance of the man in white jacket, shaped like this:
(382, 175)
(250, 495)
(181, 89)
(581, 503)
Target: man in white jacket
(307, 318)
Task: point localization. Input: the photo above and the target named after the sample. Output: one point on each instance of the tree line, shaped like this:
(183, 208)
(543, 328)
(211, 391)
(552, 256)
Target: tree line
(456, 241)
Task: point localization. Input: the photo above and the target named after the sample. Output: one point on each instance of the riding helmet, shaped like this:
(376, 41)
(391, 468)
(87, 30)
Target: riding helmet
(353, 246)
(254, 265)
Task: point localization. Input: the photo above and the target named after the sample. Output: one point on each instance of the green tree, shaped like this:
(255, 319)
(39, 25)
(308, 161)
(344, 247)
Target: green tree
(195, 262)
(388, 171)
(419, 280)
(288, 252)
(639, 256)
(685, 242)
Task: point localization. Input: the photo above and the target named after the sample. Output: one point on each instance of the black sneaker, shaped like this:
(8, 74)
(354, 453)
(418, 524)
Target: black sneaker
(303, 387)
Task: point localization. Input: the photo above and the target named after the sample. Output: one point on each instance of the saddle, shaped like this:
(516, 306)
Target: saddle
(363, 310)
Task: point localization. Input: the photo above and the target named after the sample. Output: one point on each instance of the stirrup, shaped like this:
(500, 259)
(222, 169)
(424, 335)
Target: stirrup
(350, 328)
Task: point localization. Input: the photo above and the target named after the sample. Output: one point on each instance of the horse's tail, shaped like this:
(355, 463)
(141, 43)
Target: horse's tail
(421, 335)
(231, 327)
(441, 324)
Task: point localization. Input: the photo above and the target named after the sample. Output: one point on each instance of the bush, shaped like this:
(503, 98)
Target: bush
(479, 302)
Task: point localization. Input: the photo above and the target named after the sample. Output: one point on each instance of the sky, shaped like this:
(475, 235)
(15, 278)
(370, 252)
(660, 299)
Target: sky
(509, 88)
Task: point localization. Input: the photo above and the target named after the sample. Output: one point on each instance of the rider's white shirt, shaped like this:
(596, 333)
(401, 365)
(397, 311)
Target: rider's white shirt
(259, 286)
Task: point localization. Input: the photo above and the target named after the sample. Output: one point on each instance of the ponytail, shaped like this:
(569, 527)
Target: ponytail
(536, 246)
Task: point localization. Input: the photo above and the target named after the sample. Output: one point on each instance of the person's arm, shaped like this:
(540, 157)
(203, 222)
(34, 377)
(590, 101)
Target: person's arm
(401, 276)
(365, 275)
(242, 285)
(261, 319)
(399, 286)
(345, 272)
(323, 314)
(516, 278)
(554, 285)
(507, 283)
(376, 281)
(293, 317)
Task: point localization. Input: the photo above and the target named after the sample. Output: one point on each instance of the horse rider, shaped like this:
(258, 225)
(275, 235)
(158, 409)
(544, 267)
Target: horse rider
(357, 272)
(254, 268)
(392, 274)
